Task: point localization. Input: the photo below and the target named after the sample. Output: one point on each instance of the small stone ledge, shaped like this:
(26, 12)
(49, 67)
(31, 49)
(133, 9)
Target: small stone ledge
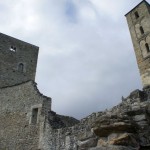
(118, 127)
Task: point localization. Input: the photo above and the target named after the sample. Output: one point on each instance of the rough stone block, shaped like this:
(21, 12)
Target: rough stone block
(84, 145)
(140, 117)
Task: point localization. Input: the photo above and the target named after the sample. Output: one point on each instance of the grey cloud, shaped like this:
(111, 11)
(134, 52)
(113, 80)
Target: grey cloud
(86, 65)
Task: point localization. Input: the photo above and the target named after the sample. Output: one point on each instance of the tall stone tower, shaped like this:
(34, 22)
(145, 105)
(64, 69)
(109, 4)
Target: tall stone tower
(18, 61)
(139, 25)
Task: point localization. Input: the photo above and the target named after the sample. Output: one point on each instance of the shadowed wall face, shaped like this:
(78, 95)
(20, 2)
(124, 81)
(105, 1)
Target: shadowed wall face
(22, 116)
(18, 61)
(139, 25)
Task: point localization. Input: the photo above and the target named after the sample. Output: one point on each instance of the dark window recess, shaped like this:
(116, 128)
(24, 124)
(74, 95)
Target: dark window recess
(21, 67)
(147, 47)
(13, 49)
(136, 15)
(34, 115)
(141, 30)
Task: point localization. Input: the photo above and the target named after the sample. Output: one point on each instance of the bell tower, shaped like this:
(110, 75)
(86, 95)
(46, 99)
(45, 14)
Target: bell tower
(139, 25)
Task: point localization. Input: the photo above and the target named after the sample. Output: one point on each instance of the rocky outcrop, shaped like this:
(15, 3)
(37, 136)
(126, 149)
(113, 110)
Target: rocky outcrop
(124, 127)
(126, 124)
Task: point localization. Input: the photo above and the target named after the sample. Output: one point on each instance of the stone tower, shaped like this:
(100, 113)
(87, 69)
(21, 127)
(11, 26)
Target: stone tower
(139, 25)
(18, 61)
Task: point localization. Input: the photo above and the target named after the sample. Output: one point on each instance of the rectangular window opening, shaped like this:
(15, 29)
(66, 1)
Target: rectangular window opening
(34, 116)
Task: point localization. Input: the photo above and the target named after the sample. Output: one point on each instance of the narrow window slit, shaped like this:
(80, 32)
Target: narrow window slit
(147, 47)
(136, 15)
(21, 67)
(141, 30)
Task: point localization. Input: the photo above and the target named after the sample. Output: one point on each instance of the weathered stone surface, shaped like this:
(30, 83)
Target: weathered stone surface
(140, 117)
(25, 54)
(105, 130)
(84, 145)
(125, 139)
(135, 112)
(17, 129)
(103, 141)
(112, 148)
(120, 128)
(141, 52)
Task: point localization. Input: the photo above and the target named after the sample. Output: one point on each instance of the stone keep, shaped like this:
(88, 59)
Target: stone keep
(18, 61)
(23, 108)
(139, 25)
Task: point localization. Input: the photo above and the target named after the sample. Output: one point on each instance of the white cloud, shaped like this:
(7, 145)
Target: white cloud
(86, 60)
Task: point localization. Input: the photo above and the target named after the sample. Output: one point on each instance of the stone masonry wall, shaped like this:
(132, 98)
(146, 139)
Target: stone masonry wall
(14, 52)
(124, 127)
(140, 39)
(17, 131)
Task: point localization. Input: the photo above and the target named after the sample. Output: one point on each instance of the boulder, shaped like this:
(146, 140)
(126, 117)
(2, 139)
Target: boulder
(125, 139)
(119, 127)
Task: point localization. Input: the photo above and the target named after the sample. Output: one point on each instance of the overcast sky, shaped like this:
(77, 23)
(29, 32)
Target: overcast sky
(86, 60)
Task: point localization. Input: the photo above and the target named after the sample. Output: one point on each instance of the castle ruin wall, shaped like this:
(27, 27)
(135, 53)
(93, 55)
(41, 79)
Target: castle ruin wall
(20, 127)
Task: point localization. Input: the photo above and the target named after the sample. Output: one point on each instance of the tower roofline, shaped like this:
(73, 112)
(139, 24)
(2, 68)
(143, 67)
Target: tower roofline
(137, 6)
(20, 40)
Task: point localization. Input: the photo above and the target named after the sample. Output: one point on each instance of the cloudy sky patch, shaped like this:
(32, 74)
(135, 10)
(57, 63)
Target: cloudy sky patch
(86, 59)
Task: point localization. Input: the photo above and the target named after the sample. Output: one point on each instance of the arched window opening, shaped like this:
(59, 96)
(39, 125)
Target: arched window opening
(21, 67)
(136, 15)
(147, 47)
(141, 30)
